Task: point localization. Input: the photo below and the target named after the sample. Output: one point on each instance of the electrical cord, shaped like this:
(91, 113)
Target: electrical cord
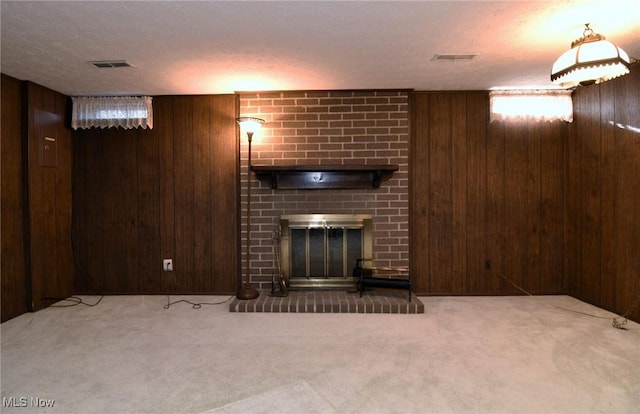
(194, 305)
(618, 322)
(621, 324)
(75, 301)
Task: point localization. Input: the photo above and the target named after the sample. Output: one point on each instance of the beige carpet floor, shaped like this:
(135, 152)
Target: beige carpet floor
(463, 355)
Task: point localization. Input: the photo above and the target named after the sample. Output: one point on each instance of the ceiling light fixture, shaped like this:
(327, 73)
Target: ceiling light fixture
(591, 59)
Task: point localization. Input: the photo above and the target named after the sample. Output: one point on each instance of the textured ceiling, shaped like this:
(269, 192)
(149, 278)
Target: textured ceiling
(208, 47)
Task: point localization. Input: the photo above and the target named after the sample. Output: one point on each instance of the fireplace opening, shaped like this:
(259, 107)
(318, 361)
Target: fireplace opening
(321, 250)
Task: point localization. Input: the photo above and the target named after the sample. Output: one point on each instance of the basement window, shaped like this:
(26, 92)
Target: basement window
(127, 112)
(531, 105)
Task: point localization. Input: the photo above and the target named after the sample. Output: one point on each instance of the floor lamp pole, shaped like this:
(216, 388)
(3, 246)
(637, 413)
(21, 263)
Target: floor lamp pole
(246, 291)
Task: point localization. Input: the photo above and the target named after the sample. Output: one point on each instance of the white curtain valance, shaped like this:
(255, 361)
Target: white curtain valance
(536, 105)
(112, 111)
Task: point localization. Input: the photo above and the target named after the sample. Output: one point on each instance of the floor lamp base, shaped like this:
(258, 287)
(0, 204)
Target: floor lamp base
(247, 292)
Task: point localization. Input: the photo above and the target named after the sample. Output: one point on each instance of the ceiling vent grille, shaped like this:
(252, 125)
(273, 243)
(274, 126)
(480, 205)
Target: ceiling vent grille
(451, 57)
(103, 64)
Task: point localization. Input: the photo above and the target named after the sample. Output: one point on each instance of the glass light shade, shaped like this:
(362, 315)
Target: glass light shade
(590, 60)
(250, 124)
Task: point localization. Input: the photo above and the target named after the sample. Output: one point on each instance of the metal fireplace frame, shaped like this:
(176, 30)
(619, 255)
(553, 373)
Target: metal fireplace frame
(326, 221)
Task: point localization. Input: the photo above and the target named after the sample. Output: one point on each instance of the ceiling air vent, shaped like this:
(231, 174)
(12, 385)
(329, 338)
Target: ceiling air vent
(101, 64)
(451, 57)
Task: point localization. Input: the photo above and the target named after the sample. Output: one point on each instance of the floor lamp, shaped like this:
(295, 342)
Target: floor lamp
(250, 125)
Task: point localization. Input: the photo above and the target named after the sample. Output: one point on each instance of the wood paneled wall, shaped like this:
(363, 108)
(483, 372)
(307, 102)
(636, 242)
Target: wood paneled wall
(171, 192)
(487, 200)
(551, 206)
(15, 300)
(50, 256)
(37, 258)
(604, 194)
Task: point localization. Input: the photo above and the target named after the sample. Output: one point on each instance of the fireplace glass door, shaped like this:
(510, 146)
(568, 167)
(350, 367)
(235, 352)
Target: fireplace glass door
(322, 250)
(325, 252)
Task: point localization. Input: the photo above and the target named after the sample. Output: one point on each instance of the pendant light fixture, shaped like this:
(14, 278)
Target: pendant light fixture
(591, 59)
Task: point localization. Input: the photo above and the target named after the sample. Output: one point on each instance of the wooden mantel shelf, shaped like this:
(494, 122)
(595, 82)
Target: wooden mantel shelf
(319, 177)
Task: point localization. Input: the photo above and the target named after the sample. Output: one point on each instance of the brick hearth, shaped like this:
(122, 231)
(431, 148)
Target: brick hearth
(329, 301)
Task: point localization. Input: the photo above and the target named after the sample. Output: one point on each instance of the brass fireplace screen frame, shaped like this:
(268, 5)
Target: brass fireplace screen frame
(324, 221)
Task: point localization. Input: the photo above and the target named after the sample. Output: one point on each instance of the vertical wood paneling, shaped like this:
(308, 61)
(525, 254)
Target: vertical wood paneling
(495, 211)
(627, 193)
(533, 256)
(552, 208)
(148, 202)
(419, 192)
(14, 275)
(476, 188)
(494, 199)
(224, 193)
(47, 258)
(183, 150)
(203, 194)
(143, 196)
(603, 170)
(41, 207)
(93, 225)
(459, 193)
(516, 219)
(522, 198)
(607, 285)
(164, 128)
(589, 195)
(80, 239)
(572, 216)
(440, 194)
(123, 212)
(50, 258)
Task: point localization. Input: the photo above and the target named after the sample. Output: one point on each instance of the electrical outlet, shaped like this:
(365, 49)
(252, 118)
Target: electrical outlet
(167, 265)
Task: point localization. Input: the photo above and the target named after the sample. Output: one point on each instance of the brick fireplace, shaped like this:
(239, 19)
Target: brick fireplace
(328, 128)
